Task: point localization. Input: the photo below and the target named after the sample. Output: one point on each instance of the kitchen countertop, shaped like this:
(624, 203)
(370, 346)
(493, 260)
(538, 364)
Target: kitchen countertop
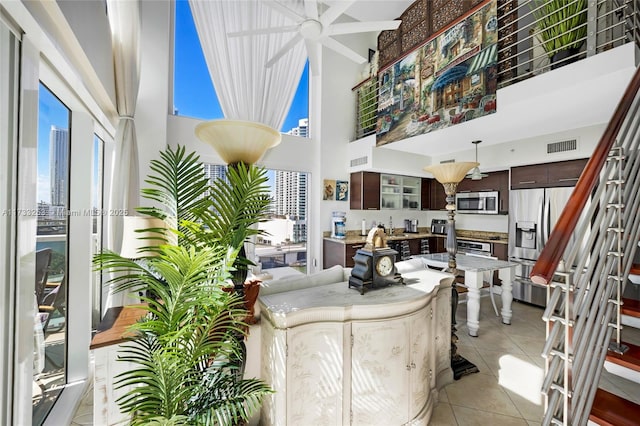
(354, 237)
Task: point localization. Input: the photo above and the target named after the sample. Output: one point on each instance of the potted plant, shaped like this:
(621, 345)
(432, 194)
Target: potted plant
(562, 28)
(188, 350)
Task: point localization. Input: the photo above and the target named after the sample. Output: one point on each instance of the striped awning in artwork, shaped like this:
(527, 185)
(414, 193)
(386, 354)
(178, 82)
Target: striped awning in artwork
(486, 57)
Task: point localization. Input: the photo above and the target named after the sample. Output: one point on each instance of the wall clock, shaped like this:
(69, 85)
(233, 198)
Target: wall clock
(374, 264)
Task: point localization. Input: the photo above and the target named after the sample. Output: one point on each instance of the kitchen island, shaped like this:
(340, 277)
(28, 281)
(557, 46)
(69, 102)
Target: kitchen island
(474, 268)
(336, 357)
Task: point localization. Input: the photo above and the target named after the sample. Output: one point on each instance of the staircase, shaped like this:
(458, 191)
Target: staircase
(593, 304)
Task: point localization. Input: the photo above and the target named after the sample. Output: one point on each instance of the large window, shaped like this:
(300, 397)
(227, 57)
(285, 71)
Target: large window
(193, 92)
(50, 335)
(284, 244)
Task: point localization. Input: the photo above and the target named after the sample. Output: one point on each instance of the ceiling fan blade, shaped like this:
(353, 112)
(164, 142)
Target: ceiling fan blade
(311, 9)
(284, 10)
(273, 30)
(362, 27)
(313, 53)
(280, 53)
(343, 50)
(334, 11)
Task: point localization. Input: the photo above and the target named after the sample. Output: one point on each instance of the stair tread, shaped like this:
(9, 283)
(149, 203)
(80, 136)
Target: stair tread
(635, 269)
(631, 307)
(630, 359)
(612, 410)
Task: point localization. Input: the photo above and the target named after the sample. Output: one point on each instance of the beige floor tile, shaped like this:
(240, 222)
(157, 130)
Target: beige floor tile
(481, 392)
(443, 415)
(475, 417)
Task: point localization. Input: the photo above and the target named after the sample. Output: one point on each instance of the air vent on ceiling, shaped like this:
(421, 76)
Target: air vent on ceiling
(447, 161)
(562, 146)
(359, 161)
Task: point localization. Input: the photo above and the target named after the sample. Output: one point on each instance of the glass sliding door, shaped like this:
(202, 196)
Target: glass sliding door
(50, 288)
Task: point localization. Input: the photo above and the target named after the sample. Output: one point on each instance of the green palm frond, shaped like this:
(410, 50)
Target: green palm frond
(185, 351)
(177, 184)
(225, 400)
(562, 23)
(239, 204)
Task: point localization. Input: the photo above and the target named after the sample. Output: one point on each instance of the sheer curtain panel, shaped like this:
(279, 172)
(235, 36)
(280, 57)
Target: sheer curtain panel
(124, 20)
(246, 88)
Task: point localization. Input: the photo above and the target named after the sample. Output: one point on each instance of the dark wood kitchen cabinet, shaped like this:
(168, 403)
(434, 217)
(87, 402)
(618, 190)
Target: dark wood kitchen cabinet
(365, 191)
(546, 175)
(494, 181)
(425, 194)
(338, 253)
(433, 196)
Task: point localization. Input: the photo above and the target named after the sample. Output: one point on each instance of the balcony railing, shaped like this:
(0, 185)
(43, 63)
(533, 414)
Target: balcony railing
(535, 38)
(526, 48)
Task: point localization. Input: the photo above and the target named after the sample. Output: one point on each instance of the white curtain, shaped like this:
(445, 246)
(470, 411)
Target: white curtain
(246, 89)
(124, 20)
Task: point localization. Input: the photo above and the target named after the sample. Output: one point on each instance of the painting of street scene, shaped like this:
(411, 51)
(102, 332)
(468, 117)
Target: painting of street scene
(449, 80)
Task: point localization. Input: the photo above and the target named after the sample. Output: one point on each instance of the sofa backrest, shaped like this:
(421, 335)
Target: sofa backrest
(335, 274)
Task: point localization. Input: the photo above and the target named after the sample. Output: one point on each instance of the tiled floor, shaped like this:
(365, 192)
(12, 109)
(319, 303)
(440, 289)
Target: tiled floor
(506, 389)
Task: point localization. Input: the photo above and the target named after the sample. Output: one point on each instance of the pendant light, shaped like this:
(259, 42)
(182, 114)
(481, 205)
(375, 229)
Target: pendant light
(475, 172)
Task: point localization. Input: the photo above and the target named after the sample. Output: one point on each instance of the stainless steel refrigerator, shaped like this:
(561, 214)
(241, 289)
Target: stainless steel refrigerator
(532, 215)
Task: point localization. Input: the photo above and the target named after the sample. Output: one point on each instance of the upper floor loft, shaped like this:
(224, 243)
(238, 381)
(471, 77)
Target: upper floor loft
(518, 71)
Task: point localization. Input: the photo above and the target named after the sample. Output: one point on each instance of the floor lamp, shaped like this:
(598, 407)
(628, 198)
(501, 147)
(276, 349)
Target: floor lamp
(239, 141)
(450, 175)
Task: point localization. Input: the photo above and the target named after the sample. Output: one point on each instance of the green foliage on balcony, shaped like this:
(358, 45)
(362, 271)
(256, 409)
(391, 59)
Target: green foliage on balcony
(562, 23)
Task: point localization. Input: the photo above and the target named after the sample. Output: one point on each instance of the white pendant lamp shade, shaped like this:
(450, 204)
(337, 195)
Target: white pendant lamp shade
(475, 172)
(450, 172)
(238, 140)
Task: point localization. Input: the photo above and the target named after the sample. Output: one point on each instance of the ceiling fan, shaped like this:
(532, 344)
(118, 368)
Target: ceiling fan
(316, 30)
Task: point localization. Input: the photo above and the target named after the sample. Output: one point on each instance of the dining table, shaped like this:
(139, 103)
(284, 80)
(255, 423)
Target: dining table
(474, 268)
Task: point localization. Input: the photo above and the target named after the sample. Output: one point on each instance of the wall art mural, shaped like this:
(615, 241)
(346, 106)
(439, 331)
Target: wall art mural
(450, 79)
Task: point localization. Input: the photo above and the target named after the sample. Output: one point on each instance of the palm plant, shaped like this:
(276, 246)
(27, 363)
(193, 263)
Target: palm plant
(562, 23)
(188, 349)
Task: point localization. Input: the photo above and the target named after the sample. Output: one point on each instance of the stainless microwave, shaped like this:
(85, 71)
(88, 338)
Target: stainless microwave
(485, 202)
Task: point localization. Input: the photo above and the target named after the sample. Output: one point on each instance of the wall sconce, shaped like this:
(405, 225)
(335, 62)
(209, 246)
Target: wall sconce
(238, 140)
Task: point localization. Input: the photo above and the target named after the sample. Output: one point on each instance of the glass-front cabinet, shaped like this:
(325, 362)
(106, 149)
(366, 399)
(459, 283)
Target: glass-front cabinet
(399, 192)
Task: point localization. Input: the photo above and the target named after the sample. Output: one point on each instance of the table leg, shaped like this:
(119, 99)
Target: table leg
(473, 282)
(506, 276)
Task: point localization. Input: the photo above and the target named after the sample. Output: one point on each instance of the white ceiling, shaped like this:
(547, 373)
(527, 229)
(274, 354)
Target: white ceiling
(376, 10)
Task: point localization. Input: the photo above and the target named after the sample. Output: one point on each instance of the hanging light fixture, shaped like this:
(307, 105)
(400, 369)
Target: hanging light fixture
(475, 172)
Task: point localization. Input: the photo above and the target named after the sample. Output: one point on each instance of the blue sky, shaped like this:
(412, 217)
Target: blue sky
(194, 95)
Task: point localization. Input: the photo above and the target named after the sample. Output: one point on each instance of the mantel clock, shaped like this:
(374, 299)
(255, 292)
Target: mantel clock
(374, 263)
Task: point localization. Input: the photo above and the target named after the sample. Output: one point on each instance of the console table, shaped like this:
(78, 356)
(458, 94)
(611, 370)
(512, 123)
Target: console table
(336, 357)
(473, 267)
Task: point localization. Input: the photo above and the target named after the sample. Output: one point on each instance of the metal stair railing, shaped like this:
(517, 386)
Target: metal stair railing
(584, 292)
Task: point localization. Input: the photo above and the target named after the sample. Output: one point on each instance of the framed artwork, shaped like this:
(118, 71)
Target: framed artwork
(342, 190)
(328, 189)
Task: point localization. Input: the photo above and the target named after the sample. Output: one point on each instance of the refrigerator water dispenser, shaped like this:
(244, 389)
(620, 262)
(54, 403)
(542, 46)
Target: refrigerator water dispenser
(526, 235)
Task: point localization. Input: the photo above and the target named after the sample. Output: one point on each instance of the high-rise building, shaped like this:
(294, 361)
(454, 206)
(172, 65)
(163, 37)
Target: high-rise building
(290, 194)
(59, 165)
(215, 171)
(302, 130)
